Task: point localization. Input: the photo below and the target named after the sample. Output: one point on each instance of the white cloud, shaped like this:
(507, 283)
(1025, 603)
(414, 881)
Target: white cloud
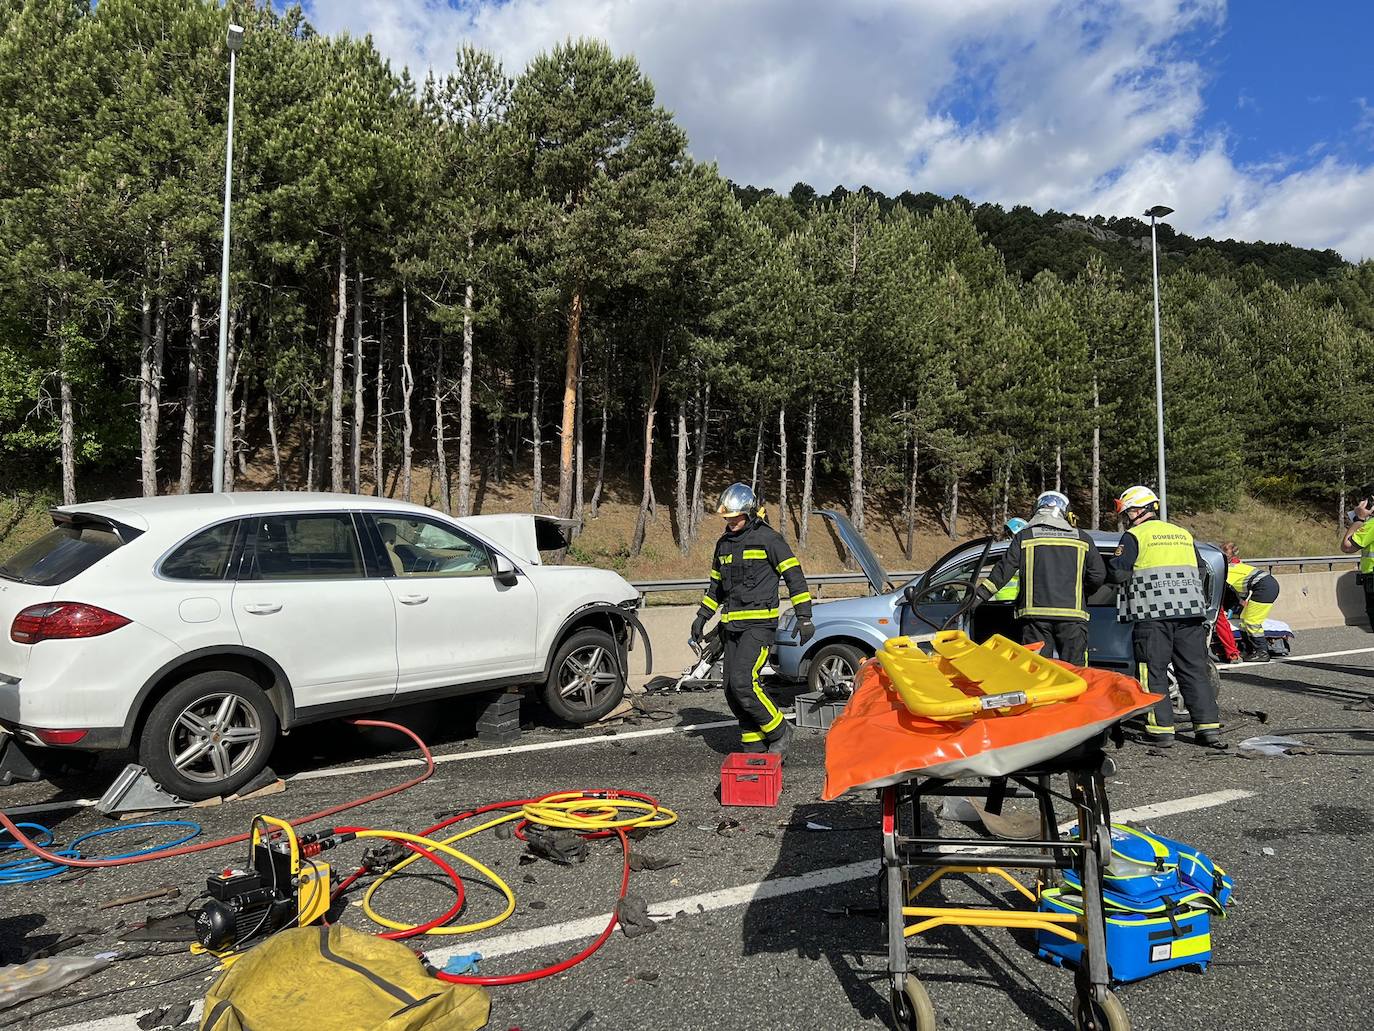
(1081, 105)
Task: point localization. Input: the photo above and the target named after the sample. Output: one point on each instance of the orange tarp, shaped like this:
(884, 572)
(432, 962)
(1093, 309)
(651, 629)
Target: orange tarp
(876, 741)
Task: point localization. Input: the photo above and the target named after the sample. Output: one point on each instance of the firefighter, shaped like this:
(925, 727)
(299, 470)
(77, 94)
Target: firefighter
(1165, 598)
(1058, 568)
(1359, 539)
(1257, 590)
(749, 558)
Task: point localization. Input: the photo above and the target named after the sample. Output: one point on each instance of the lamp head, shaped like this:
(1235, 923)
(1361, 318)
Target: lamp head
(1159, 211)
(235, 38)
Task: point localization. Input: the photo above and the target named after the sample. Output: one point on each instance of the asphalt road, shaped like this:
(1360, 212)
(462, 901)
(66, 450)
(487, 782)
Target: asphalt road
(1293, 953)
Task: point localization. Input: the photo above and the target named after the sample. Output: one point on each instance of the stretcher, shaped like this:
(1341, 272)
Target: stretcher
(1048, 752)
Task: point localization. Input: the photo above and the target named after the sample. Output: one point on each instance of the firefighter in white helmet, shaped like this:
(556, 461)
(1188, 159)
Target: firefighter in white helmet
(1165, 600)
(750, 557)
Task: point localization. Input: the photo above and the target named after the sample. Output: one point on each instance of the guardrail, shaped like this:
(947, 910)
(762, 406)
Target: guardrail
(1301, 562)
(813, 579)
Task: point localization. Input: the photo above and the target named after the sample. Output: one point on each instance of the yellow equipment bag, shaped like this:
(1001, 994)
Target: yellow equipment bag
(340, 979)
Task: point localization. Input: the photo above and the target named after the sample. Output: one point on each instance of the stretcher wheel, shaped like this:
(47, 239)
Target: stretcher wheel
(1107, 1015)
(911, 1007)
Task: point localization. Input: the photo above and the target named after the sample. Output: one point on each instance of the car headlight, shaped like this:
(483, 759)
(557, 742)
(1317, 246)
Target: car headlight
(787, 624)
(632, 604)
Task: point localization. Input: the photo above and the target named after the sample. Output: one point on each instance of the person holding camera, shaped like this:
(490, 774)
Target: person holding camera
(1359, 539)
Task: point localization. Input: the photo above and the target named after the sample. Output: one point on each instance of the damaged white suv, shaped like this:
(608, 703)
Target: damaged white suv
(196, 628)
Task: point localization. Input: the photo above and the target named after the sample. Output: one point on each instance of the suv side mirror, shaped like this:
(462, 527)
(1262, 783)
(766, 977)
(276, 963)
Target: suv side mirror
(505, 571)
(910, 594)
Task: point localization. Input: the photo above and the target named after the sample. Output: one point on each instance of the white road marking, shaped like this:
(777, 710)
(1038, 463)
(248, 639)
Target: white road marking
(724, 898)
(1294, 658)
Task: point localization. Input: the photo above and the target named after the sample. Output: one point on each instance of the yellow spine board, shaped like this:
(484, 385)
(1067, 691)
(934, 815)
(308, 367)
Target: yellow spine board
(964, 680)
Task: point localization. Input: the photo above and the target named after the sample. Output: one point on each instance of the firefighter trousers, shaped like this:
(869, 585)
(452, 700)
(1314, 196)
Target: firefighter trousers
(1183, 642)
(1065, 639)
(746, 650)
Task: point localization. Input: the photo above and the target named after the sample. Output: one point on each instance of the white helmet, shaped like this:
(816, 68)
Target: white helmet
(1137, 497)
(1053, 502)
(737, 499)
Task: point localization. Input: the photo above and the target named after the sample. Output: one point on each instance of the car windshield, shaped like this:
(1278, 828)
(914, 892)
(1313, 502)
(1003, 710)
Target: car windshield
(60, 554)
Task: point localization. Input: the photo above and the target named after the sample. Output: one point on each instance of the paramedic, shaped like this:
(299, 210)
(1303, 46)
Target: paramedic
(1165, 600)
(749, 558)
(1360, 539)
(1258, 590)
(1058, 568)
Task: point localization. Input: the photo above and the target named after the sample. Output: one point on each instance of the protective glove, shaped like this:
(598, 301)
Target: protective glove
(698, 628)
(805, 629)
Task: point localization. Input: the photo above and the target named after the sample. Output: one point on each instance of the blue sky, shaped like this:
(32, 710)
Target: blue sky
(1255, 119)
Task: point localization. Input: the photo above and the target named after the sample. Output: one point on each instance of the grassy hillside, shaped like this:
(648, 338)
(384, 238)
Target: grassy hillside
(1259, 529)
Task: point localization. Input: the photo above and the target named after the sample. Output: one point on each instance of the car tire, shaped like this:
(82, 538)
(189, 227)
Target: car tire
(586, 679)
(189, 716)
(825, 673)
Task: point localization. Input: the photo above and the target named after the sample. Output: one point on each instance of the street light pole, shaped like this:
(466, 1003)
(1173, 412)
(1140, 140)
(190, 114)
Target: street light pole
(1157, 212)
(235, 41)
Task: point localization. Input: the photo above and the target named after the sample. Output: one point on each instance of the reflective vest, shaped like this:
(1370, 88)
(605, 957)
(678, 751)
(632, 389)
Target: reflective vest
(1364, 537)
(1165, 582)
(1242, 578)
(1011, 591)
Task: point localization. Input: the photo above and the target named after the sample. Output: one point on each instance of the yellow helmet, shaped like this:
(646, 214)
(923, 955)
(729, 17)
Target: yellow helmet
(1137, 497)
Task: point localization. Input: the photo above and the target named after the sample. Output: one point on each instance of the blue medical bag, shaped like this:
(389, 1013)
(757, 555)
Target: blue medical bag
(1138, 944)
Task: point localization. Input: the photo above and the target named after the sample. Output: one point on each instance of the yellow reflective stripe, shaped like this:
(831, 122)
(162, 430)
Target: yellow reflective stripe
(750, 736)
(788, 563)
(774, 716)
(754, 553)
(715, 574)
(798, 599)
(731, 617)
(1194, 946)
(726, 559)
(707, 600)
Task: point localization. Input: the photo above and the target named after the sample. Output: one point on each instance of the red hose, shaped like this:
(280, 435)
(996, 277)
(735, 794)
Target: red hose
(205, 846)
(437, 859)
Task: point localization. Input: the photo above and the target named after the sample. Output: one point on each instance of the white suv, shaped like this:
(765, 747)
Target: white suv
(197, 627)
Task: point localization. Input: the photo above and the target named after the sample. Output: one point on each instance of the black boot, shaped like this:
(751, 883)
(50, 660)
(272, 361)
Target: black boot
(780, 744)
(1258, 648)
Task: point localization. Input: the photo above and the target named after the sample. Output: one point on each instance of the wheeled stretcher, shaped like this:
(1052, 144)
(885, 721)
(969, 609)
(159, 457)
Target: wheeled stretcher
(907, 854)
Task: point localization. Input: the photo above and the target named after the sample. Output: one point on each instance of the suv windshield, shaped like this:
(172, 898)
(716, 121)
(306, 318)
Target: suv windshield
(61, 553)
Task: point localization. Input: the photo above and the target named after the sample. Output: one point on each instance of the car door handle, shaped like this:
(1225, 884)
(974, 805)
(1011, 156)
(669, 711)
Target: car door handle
(413, 599)
(262, 608)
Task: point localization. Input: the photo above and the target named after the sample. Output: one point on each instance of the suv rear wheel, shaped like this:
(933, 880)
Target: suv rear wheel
(586, 680)
(209, 735)
(832, 670)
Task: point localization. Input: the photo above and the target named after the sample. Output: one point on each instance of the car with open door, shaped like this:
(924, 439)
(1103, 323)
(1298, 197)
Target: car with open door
(196, 628)
(850, 630)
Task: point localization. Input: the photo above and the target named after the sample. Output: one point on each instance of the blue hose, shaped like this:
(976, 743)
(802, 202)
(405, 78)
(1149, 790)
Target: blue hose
(29, 871)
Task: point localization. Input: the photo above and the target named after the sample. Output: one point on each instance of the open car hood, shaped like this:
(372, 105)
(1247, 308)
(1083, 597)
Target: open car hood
(523, 534)
(858, 548)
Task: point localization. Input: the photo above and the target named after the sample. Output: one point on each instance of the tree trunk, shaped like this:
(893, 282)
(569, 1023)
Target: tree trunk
(440, 458)
(379, 442)
(536, 445)
(580, 495)
(357, 468)
(758, 450)
(808, 475)
(684, 539)
(465, 402)
(310, 438)
(1006, 491)
(276, 444)
(189, 412)
(647, 501)
(601, 454)
(1059, 467)
(856, 503)
(954, 509)
(570, 377)
(336, 442)
(782, 472)
(914, 487)
(407, 389)
(703, 436)
(1097, 458)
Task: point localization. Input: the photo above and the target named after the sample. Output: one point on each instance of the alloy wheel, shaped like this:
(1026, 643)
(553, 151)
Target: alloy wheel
(214, 738)
(588, 675)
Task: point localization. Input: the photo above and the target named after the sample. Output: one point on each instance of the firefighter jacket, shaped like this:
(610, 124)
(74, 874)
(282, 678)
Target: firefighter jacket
(744, 578)
(1058, 567)
(1243, 579)
(1163, 572)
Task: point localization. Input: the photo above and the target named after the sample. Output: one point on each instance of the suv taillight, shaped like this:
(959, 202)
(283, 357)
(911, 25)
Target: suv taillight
(63, 621)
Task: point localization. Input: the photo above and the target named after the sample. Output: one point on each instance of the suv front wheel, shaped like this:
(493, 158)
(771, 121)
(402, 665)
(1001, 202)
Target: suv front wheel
(586, 680)
(209, 735)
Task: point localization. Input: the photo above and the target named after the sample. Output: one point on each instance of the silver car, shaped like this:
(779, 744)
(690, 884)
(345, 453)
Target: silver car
(850, 630)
